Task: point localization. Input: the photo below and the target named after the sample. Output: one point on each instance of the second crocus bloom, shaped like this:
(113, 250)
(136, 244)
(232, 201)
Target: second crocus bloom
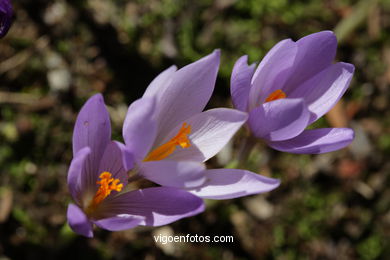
(171, 137)
(294, 85)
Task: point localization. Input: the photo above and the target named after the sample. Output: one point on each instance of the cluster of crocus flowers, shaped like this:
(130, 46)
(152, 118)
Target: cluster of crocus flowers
(168, 137)
(294, 85)
(6, 13)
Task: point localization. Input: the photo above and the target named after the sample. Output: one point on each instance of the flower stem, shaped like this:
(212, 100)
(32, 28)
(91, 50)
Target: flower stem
(245, 150)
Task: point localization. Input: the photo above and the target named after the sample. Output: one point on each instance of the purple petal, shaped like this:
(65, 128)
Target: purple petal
(76, 170)
(316, 141)
(233, 183)
(117, 161)
(325, 89)
(118, 223)
(160, 82)
(78, 221)
(240, 83)
(187, 93)
(92, 129)
(210, 132)
(6, 13)
(140, 127)
(273, 72)
(159, 205)
(168, 173)
(315, 53)
(279, 119)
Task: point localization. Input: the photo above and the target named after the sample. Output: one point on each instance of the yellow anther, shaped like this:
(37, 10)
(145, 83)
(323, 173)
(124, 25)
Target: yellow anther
(163, 151)
(277, 94)
(107, 184)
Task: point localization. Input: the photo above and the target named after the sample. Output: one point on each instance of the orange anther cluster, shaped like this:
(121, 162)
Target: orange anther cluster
(107, 184)
(277, 94)
(181, 138)
(169, 147)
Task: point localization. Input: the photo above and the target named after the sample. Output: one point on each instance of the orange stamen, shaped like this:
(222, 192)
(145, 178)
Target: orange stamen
(169, 147)
(107, 184)
(277, 94)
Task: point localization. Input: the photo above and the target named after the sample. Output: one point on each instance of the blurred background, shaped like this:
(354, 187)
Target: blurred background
(60, 52)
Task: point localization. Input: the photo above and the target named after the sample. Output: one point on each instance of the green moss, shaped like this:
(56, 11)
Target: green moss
(370, 248)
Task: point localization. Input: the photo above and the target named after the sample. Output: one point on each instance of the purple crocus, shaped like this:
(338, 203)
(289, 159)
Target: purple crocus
(97, 181)
(171, 137)
(6, 13)
(294, 85)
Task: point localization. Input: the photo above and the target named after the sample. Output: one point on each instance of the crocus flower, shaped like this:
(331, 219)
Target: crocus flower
(6, 13)
(294, 85)
(97, 181)
(171, 137)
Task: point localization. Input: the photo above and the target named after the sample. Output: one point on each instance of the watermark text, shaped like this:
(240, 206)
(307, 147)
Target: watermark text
(164, 239)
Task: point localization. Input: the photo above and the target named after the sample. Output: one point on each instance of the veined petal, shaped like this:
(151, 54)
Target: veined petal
(325, 89)
(233, 183)
(160, 82)
(158, 206)
(210, 132)
(187, 94)
(180, 174)
(273, 72)
(93, 130)
(78, 221)
(140, 127)
(315, 53)
(240, 83)
(316, 141)
(76, 170)
(117, 161)
(120, 222)
(279, 119)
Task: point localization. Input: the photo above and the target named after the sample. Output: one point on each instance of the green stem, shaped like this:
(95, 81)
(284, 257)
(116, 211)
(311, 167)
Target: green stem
(245, 150)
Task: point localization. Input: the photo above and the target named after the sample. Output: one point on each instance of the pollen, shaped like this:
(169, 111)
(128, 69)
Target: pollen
(107, 184)
(277, 94)
(163, 151)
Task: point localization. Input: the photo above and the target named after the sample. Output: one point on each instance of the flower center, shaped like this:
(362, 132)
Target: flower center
(277, 94)
(107, 184)
(163, 151)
